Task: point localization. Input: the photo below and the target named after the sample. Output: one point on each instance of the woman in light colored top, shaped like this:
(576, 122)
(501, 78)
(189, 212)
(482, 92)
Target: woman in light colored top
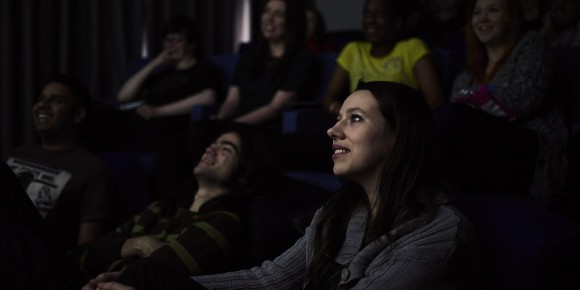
(390, 226)
(385, 56)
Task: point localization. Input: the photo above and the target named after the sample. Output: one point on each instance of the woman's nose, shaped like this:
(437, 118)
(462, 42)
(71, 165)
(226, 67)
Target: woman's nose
(334, 132)
(483, 16)
(266, 17)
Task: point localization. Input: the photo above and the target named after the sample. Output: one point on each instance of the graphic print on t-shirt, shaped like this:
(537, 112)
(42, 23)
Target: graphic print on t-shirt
(44, 187)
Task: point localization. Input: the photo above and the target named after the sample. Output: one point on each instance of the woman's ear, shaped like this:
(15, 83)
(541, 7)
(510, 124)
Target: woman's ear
(80, 115)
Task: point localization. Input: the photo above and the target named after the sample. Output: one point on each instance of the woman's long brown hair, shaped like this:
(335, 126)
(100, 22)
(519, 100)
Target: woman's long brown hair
(476, 53)
(405, 187)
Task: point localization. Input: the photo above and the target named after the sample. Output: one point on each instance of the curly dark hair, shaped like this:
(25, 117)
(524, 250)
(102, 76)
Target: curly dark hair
(187, 26)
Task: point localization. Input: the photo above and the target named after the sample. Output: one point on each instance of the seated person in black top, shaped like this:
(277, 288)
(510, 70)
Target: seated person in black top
(274, 71)
(156, 101)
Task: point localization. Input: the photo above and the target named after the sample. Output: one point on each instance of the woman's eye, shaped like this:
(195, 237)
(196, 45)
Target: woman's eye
(355, 118)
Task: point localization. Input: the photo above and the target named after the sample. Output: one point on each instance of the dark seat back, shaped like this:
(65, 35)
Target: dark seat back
(270, 223)
(520, 240)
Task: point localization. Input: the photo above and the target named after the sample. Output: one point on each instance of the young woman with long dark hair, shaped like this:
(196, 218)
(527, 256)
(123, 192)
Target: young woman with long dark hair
(275, 70)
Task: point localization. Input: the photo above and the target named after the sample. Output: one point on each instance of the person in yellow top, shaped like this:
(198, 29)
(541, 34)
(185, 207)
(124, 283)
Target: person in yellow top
(384, 56)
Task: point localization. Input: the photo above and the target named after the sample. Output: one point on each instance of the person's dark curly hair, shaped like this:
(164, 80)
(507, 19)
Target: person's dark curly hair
(187, 26)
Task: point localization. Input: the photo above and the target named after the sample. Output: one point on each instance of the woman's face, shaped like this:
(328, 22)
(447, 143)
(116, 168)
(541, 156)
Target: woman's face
(362, 140)
(378, 22)
(273, 20)
(220, 159)
(177, 46)
(490, 21)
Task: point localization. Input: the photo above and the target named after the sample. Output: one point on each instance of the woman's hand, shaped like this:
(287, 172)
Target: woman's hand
(106, 281)
(140, 247)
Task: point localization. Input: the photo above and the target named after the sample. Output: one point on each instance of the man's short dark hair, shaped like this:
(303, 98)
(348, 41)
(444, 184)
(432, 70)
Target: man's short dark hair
(77, 88)
(187, 26)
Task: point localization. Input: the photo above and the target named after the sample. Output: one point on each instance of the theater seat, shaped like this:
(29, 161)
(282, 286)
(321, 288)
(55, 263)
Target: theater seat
(270, 225)
(521, 241)
(308, 116)
(569, 61)
(131, 181)
(325, 180)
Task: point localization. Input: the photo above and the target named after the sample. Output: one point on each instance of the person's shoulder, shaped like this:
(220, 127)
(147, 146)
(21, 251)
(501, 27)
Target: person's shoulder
(412, 42)
(445, 222)
(25, 152)
(356, 45)
(532, 35)
(448, 213)
(353, 50)
(87, 158)
(532, 41)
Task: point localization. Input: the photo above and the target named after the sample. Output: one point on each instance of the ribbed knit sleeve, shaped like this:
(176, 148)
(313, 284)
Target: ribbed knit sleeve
(287, 271)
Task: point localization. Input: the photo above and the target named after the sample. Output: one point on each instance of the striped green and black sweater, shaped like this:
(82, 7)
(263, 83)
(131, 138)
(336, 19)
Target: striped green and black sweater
(197, 242)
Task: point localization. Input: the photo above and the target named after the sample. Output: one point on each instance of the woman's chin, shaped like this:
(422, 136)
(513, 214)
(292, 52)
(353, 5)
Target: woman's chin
(339, 173)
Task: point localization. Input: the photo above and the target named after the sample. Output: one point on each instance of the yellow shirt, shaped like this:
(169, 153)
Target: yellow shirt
(397, 66)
